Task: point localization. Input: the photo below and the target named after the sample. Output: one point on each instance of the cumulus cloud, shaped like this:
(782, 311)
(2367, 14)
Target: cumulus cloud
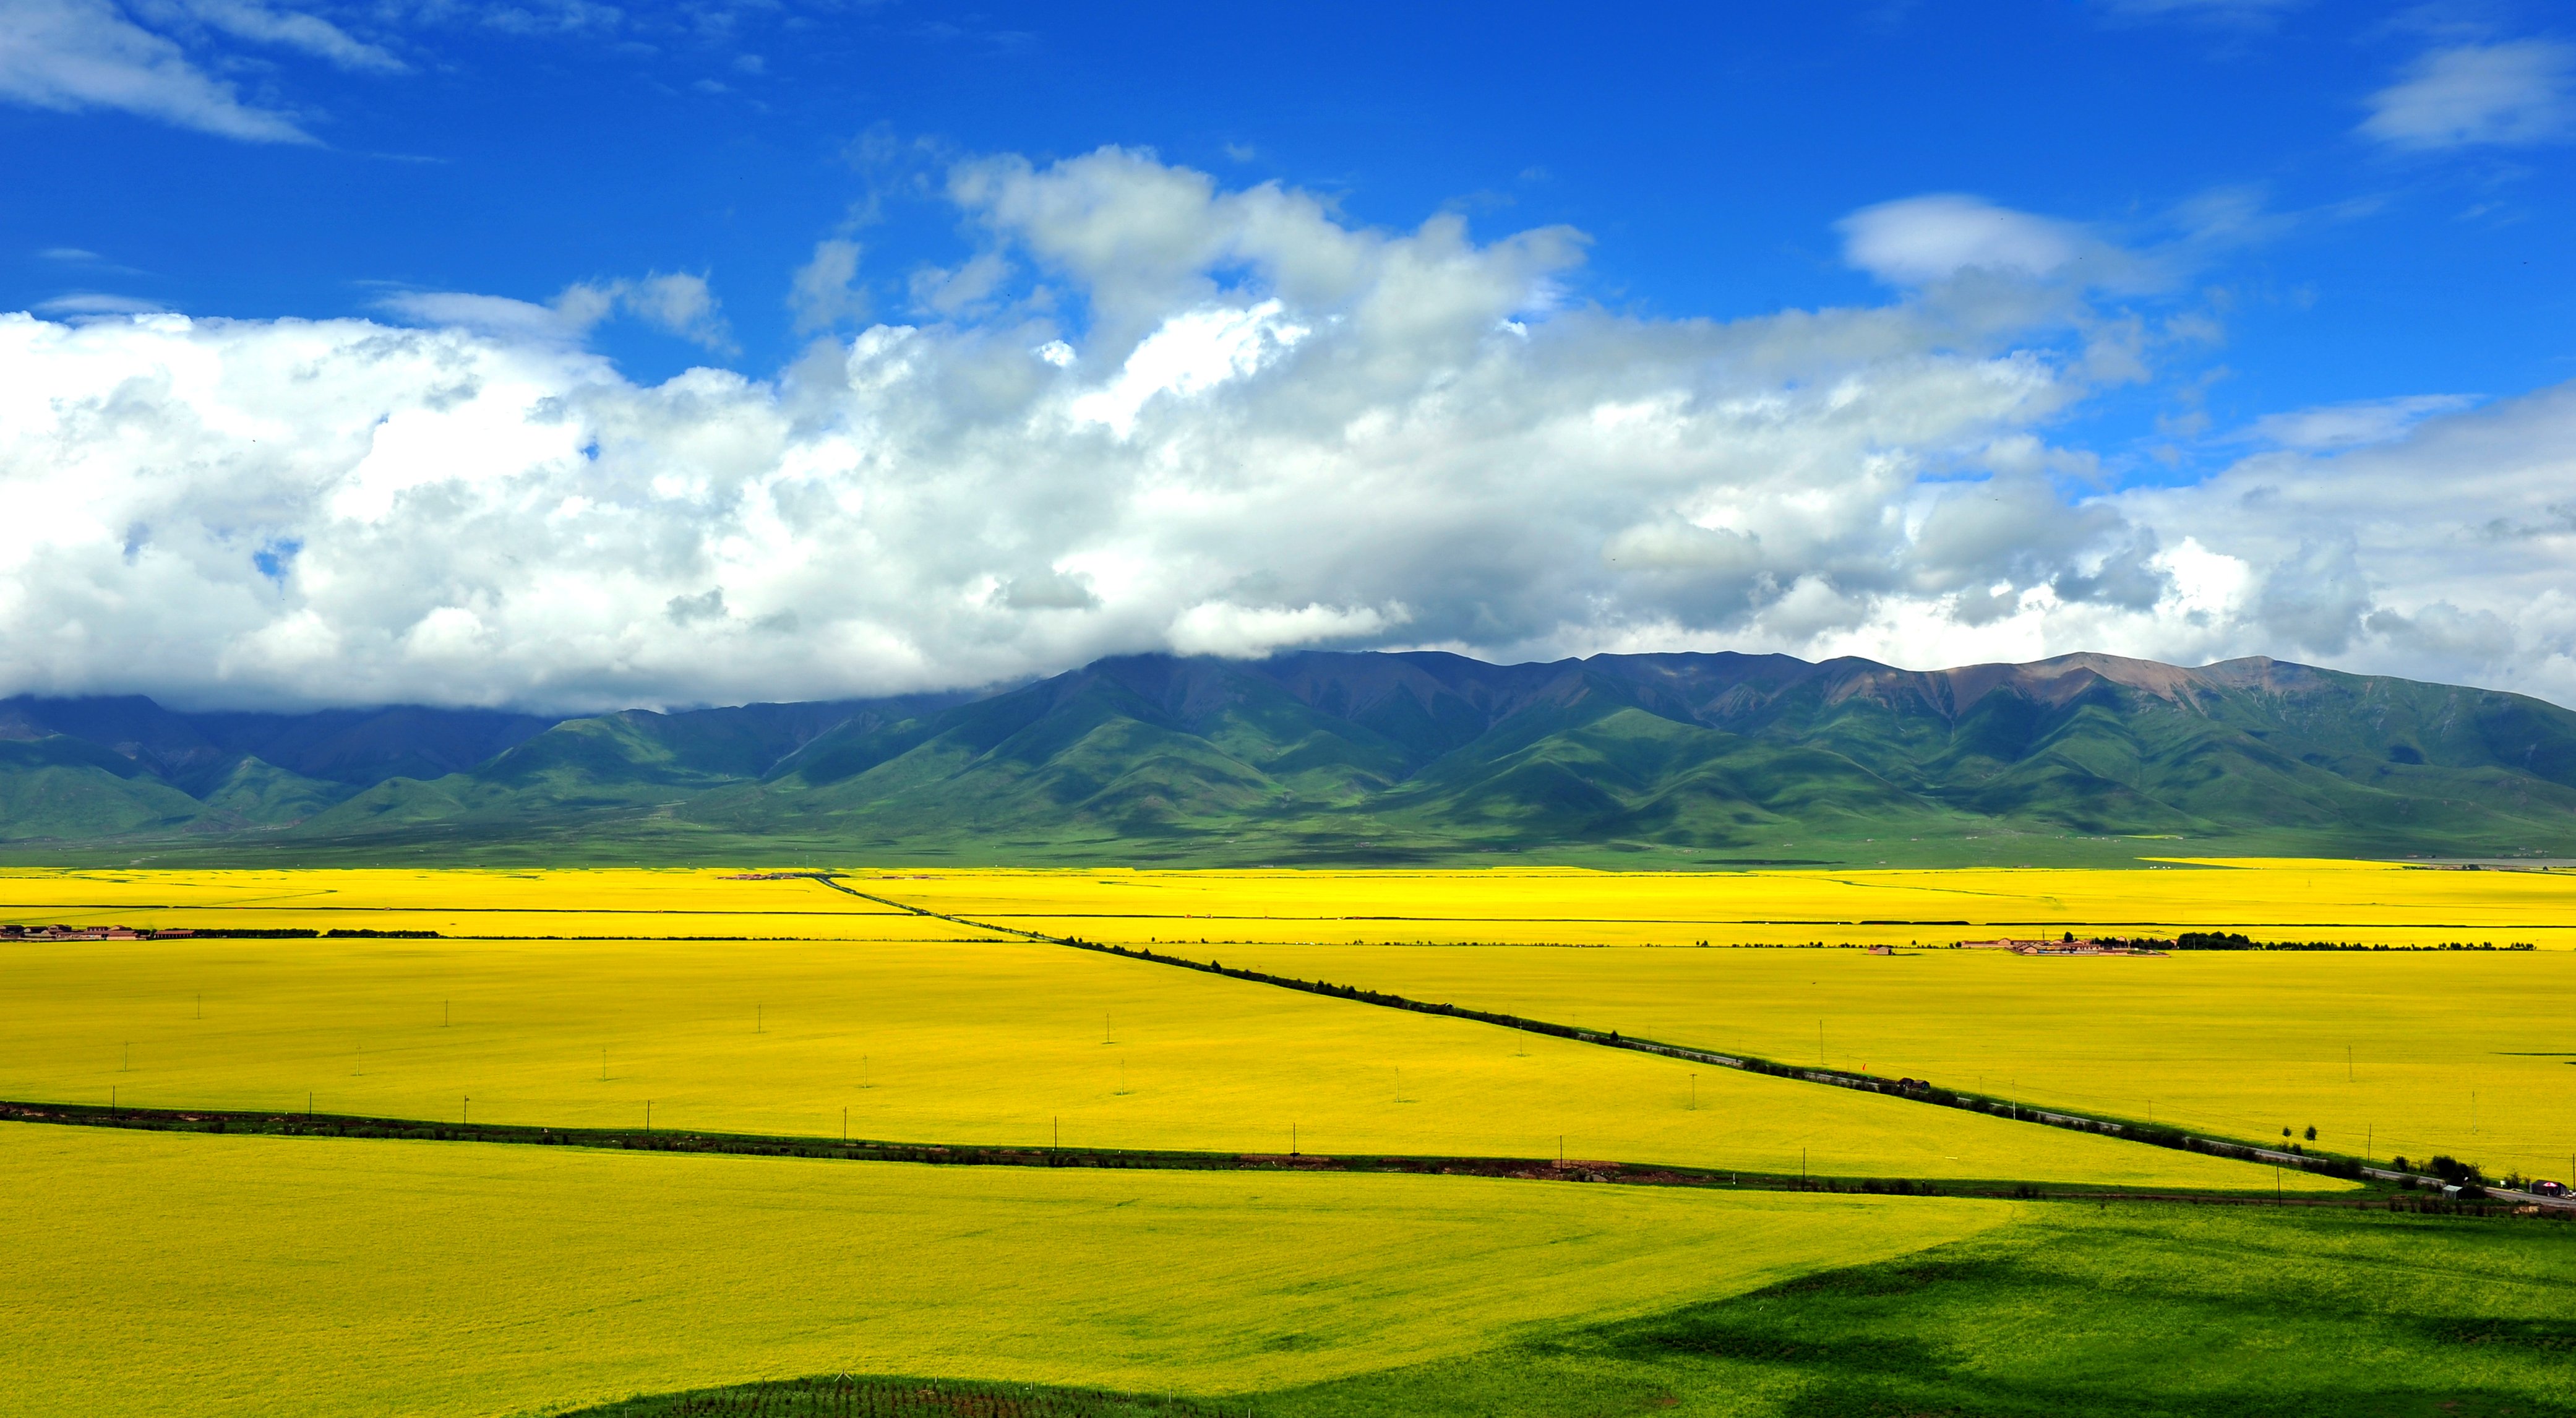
(2443, 555)
(1260, 427)
(2510, 93)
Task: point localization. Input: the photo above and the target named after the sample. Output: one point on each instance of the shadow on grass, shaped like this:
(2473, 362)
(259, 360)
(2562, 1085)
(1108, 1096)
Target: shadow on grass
(2162, 1312)
(2137, 1311)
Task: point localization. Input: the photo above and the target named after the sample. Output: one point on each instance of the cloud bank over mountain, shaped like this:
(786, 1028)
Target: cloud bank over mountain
(1155, 414)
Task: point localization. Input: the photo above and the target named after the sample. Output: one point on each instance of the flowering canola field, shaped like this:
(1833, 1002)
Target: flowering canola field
(2398, 1053)
(217, 1276)
(2366, 902)
(1001, 1041)
(2412, 1054)
(680, 903)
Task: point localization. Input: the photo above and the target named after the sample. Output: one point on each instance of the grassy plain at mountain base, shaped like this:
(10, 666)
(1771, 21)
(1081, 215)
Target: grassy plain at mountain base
(152, 1274)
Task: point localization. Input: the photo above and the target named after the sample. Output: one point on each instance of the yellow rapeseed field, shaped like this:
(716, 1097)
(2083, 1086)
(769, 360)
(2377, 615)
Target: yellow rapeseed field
(2461, 1053)
(614, 902)
(226, 1277)
(2272, 899)
(1002, 1041)
(2467, 1054)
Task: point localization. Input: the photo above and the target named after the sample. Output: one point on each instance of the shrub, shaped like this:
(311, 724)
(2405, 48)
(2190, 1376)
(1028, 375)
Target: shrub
(2451, 1169)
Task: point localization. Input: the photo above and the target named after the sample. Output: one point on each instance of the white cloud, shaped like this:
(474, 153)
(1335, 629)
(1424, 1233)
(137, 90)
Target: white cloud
(971, 286)
(1282, 430)
(1919, 239)
(262, 24)
(679, 304)
(2351, 425)
(1250, 632)
(2442, 556)
(1194, 351)
(494, 315)
(95, 303)
(2511, 93)
(821, 293)
(72, 55)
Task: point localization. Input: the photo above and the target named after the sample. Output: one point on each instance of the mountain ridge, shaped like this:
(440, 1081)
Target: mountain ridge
(1321, 756)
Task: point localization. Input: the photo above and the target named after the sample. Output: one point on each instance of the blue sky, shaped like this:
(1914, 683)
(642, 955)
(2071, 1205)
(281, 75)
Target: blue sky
(2227, 216)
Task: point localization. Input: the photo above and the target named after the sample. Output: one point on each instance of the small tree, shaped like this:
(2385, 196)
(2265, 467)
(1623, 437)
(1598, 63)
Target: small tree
(2312, 1132)
(2451, 1169)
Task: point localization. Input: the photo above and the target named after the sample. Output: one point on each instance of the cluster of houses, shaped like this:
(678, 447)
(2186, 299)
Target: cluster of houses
(86, 933)
(2067, 946)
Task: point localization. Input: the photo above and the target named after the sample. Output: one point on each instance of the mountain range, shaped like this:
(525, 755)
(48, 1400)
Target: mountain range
(1327, 757)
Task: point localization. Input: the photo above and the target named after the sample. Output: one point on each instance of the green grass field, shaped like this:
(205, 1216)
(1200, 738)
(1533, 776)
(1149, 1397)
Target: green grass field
(157, 1273)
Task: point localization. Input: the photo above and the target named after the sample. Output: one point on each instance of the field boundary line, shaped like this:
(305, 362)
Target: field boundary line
(268, 1123)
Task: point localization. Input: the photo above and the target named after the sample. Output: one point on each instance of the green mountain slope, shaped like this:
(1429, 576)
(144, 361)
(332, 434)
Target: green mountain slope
(1390, 757)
